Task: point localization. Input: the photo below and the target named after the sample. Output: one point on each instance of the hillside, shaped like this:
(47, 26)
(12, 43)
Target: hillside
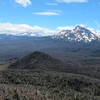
(37, 60)
(47, 85)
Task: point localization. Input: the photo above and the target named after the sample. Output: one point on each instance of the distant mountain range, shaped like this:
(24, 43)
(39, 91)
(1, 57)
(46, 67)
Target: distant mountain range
(77, 34)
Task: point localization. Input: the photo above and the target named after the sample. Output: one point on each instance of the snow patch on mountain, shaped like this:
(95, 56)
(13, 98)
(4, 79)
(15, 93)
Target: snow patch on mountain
(78, 33)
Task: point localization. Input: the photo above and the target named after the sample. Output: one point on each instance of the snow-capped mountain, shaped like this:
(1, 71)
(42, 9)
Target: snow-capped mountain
(77, 34)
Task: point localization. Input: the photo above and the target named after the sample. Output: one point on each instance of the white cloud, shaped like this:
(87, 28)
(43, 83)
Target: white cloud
(68, 27)
(47, 13)
(24, 3)
(24, 29)
(64, 28)
(72, 1)
(96, 32)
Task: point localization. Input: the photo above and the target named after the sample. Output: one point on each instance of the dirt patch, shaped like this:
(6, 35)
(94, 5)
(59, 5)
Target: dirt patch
(3, 67)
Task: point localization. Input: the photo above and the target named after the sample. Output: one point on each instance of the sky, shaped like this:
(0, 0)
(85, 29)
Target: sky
(48, 15)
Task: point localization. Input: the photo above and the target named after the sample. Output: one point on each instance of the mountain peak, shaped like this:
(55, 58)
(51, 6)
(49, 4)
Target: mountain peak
(77, 34)
(78, 27)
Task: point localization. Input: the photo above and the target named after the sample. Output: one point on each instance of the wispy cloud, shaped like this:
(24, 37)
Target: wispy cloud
(72, 1)
(52, 4)
(47, 13)
(24, 3)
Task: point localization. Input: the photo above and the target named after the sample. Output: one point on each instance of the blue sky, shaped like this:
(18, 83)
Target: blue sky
(51, 13)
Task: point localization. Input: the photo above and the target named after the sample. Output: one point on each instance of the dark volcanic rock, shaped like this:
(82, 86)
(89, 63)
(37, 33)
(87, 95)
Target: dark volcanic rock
(37, 60)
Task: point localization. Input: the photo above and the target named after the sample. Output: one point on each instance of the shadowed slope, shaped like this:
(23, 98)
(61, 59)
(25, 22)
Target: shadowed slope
(37, 60)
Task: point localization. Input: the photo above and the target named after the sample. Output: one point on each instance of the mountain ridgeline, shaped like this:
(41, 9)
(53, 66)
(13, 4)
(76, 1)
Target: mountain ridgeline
(77, 33)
